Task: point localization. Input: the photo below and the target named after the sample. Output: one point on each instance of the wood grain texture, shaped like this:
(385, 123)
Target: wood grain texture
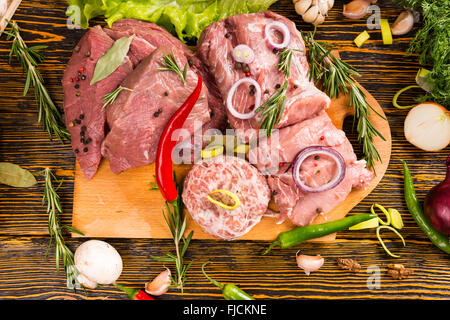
(26, 274)
(123, 206)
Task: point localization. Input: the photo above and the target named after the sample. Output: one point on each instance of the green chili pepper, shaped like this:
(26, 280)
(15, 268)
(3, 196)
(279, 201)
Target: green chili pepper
(229, 290)
(416, 210)
(298, 235)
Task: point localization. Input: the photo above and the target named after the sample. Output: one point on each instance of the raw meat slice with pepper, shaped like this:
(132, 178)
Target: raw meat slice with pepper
(149, 36)
(137, 118)
(215, 47)
(84, 116)
(234, 175)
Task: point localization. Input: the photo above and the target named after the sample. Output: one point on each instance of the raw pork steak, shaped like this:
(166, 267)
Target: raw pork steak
(215, 49)
(84, 116)
(138, 117)
(232, 174)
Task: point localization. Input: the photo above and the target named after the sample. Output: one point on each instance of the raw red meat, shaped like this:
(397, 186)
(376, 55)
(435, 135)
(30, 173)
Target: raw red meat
(215, 47)
(232, 174)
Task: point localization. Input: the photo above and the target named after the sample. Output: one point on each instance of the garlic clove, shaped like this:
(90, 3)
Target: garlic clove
(311, 14)
(302, 6)
(403, 24)
(160, 284)
(356, 9)
(309, 263)
(323, 8)
(319, 20)
(85, 282)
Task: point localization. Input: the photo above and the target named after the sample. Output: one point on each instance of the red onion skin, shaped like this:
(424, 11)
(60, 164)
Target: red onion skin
(437, 204)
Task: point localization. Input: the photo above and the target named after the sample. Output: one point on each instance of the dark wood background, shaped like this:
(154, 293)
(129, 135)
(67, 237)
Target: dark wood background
(25, 273)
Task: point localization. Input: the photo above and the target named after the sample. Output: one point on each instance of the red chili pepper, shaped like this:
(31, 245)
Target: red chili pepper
(134, 294)
(164, 170)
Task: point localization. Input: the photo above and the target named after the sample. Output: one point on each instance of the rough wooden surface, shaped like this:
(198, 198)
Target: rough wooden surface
(25, 273)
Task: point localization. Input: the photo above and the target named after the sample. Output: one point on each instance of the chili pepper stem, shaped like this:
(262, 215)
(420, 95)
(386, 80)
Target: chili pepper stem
(130, 292)
(214, 282)
(272, 245)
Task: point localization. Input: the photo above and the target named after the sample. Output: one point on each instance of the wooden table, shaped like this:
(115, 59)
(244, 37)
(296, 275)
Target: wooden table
(25, 273)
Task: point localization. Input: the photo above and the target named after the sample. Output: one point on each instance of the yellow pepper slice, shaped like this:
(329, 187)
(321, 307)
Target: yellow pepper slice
(361, 38)
(237, 201)
(372, 223)
(386, 31)
(382, 242)
(396, 219)
(388, 216)
(242, 148)
(212, 152)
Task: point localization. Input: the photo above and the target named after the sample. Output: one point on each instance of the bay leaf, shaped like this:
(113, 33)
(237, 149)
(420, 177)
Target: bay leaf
(112, 59)
(13, 175)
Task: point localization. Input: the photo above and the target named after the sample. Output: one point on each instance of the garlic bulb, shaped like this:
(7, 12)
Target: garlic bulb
(3, 7)
(313, 11)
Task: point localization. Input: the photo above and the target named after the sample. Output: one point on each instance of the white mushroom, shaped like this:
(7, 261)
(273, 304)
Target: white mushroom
(97, 263)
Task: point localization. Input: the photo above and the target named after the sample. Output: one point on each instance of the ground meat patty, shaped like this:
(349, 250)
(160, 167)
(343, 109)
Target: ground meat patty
(232, 174)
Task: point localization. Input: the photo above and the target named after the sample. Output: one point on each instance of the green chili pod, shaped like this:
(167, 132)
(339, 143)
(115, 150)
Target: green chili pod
(229, 290)
(301, 234)
(416, 210)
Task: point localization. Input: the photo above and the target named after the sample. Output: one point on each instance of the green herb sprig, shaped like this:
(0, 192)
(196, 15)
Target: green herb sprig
(54, 209)
(109, 98)
(29, 58)
(285, 61)
(170, 64)
(272, 110)
(176, 222)
(336, 77)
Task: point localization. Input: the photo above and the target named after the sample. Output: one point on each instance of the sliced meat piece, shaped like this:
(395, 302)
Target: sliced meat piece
(84, 116)
(137, 117)
(232, 174)
(156, 36)
(215, 47)
(302, 208)
(284, 146)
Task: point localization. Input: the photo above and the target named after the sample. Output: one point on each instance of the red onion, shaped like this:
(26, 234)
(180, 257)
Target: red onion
(317, 150)
(281, 27)
(437, 204)
(243, 53)
(233, 89)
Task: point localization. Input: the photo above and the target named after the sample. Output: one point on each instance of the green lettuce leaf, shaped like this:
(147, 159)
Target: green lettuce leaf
(185, 18)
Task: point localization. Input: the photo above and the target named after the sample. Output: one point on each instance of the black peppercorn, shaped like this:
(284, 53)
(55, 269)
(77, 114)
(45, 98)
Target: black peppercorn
(278, 86)
(227, 35)
(166, 93)
(76, 150)
(82, 140)
(86, 149)
(190, 62)
(82, 134)
(275, 192)
(83, 128)
(88, 140)
(266, 91)
(319, 210)
(252, 92)
(77, 121)
(82, 117)
(77, 86)
(316, 157)
(275, 50)
(295, 86)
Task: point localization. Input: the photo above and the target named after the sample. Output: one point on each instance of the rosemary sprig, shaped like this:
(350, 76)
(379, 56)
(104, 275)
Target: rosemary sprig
(176, 222)
(170, 64)
(285, 61)
(109, 98)
(29, 58)
(54, 209)
(336, 77)
(272, 110)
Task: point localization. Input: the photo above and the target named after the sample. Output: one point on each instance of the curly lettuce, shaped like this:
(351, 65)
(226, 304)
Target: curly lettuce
(185, 18)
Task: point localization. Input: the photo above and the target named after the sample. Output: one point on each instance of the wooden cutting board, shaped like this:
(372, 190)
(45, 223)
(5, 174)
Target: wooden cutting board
(11, 7)
(123, 206)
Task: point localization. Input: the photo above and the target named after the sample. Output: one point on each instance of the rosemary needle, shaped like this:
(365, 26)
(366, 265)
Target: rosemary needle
(336, 77)
(62, 252)
(29, 58)
(170, 64)
(109, 98)
(176, 222)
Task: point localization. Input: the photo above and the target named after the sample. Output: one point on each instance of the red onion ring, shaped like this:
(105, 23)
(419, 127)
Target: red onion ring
(284, 31)
(230, 106)
(315, 150)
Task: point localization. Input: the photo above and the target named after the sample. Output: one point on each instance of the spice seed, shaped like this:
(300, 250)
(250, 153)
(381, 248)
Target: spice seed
(82, 117)
(85, 149)
(316, 157)
(83, 77)
(77, 121)
(77, 151)
(77, 86)
(227, 35)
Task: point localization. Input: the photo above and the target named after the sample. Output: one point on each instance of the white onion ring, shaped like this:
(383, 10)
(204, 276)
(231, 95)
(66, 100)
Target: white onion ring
(240, 51)
(315, 150)
(230, 106)
(284, 31)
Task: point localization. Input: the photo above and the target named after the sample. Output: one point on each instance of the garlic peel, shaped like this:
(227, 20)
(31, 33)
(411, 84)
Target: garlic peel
(356, 9)
(403, 24)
